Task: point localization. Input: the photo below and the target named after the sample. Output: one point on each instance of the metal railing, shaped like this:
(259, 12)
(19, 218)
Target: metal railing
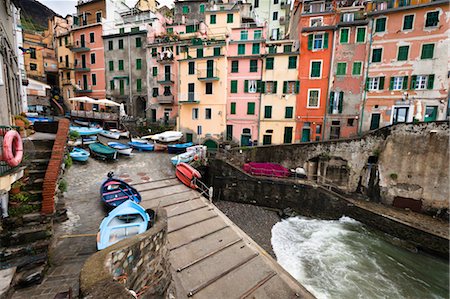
(162, 99)
(189, 97)
(207, 73)
(65, 65)
(4, 167)
(166, 78)
(204, 189)
(94, 114)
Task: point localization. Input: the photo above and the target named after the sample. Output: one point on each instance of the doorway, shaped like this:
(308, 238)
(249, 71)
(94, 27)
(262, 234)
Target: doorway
(375, 121)
(431, 113)
(306, 134)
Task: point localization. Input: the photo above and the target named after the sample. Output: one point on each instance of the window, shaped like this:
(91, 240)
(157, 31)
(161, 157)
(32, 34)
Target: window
(155, 71)
(155, 92)
(336, 102)
(207, 113)
(316, 69)
(315, 22)
(191, 68)
(289, 112)
(275, 2)
(267, 111)
(253, 65)
(33, 53)
(199, 130)
(110, 45)
(208, 88)
(185, 9)
(66, 40)
(400, 115)
(122, 87)
(361, 35)
(269, 63)
(291, 87)
(313, 98)
(111, 85)
(202, 8)
(275, 15)
(138, 64)
(402, 53)
(91, 37)
(33, 66)
(121, 44)
(272, 49)
(98, 16)
(212, 19)
(432, 19)
(241, 49)
(257, 34)
(427, 51)
(344, 35)
(422, 82)
(252, 86)
(244, 35)
(121, 30)
(270, 87)
(94, 79)
(154, 52)
(138, 85)
(217, 51)
(292, 64)
(92, 58)
(356, 70)
(199, 52)
(348, 17)
(235, 66)
(230, 18)
(134, 29)
(120, 65)
(318, 41)
(375, 83)
(287, 48)
(398, 83)
(234, 86)
(60, 42)
(111, 65)
(169, 30)
(376, 55)
(256, 3)
(191, 28)
(408, 22)
(194, 113)
(250, 108)
(233, 108)
(138, 42)
(255, 48)
(341, 69)
(380, 25)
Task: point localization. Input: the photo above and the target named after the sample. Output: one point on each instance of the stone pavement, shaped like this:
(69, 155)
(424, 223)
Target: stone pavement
(74, 239)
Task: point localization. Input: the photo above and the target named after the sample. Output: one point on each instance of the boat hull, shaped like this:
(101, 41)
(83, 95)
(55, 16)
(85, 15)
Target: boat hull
(80, 155)
(178, 148)
(185, 158)
(115, 192)
(109, 134)
(121, 148)
(102, 151)
(187, 175)
(83, 131)
(142, 147)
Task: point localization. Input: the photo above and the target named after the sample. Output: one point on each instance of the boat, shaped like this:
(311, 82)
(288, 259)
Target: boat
(178, 148)
(184, 157)
(102, 151)
(84, 131)
(33, 119)
(81, 122)
(110, 134)
(139, 140)
(125, 221)
(79, 154)
(122, 133)
(114, 191)
(266, 169)
(75, 142)
(146, 147)
(121, 148)
(89, 139)
(168, 136)
(187, 175)
(160, 147)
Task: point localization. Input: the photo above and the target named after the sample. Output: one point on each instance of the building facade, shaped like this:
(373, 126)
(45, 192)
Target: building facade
(275, 14)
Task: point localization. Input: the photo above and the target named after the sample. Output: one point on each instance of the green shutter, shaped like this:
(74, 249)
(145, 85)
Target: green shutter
(356, 68)
(367, 84)
(403, 53)
(331, 103)
(138, 42)
(217, 51)
(430, 83)
(111, 65)
(250, 108)
(310, 41)
(344, 36)
(325, 40)
(381, 85)
(285, 85)
(155, 71)
(408, 22)
(246, 86)
(288, 112)
(413, 82)
(199, 53)
(202, 8)
(427, 51)
(138, 64)
(275, 87)
(380, 25)
(405, 82)
(292, 62)
(212, 19)
(269, 63)
(234, 86)
(185, 9)
(255, 48)
(241, 49)
(361, 35)
(267, 111)
(297, 86)
(230, 18)
(258, 85)
(263, 87)
(111, 85)
(391, 83)
(139, 84)
(341, 101)
(233, 108)
(120, 65)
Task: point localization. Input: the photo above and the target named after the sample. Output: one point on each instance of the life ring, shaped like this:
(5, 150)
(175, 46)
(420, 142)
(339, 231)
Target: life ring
(12, 148)
(196, 158)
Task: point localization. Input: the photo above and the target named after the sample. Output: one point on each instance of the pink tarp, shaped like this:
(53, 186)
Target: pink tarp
(266, 169)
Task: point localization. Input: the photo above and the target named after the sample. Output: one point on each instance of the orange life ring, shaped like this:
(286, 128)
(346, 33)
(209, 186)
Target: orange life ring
(196, 158)
(12, 148)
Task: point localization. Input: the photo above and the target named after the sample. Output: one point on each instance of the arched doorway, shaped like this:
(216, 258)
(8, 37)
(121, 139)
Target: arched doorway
(211, 144)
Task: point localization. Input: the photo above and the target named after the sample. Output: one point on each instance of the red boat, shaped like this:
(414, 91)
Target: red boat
(187, 174)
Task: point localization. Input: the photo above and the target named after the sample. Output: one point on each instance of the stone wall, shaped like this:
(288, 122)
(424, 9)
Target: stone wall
(140, 264)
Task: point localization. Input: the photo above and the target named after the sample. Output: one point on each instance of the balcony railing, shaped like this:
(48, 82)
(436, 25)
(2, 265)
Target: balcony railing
(94, 115)
(164, 57)
(189, 98)
(67, 82)
(4, 167)
(65, 65)
(208, 74)
(81, 68)
(82, 89)
(165, 99)
(166, 78)
(78, 49)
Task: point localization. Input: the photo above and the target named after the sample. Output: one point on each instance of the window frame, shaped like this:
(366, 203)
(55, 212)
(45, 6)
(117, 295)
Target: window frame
(385, 25)
(208, 113)
(360, 68)
(211, 18)
(253, 66)
(398, 52)
(272, 59)
(425, 82)
(268, 111)
(189, 68)
(194, 113)
(348, 36)
(292, 67)
(230, 20)
(309, 96)
(412, 24)
(311, 69)
(337, 68)
(426, 18)
(422, 51)
(381, 55)
(374, 82)
(365, 35)
(398, 82)
(314, 41)
(235, 70)
(241, 46)
(243, 33)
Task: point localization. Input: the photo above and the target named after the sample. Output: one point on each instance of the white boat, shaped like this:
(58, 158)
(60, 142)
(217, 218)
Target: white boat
(139, 140)
(76, 142)
(168, 136)
(125, 134)
(123, 149)
(81, 123)
(109, 134)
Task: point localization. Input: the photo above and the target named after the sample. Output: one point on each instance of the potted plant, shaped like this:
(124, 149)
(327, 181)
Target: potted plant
(15, 188)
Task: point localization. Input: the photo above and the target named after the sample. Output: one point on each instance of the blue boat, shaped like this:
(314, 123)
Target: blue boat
(178, 148)
(79, 154)
(34, 119)
(123, 149)
(146, 147)
(184, 157)
(114, 192)
(84, 131)
(127, 220)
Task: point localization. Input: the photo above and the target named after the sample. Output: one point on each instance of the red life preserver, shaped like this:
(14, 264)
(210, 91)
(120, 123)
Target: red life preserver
(196, 158)
(12, 148)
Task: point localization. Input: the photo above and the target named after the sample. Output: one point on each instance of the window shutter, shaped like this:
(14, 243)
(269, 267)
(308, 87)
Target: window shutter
(413, 82)
(341, 101)
(275, 87)
(367, 84)
(246, 86)
(405, 82)
(258, 86)
(325, 40)
(331, 102)
(263, 87)
(297, 86)
(285, 84)
(430, 82)
(381, 85)
(391, 83)
(310, 41)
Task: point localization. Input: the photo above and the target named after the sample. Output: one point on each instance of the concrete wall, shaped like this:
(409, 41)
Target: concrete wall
(140, 264)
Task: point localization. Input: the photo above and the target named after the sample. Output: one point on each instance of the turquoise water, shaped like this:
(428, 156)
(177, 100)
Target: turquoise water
(345, 259)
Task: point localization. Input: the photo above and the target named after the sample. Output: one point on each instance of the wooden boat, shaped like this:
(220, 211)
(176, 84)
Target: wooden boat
(76, 142)
(79, 154)
(187, 175)
(122, 133)
(114, 192)
(110, 134)
(168, 136)
(184, 157)
(83, 131)
(266, 169)
(178, 148)
(160, 147)
(89, 139)
(102, 151)
(139, 140)
(146, 147)
(123, 149)
(127, 220)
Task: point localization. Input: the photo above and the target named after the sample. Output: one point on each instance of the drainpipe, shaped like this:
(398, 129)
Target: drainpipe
(129, 75)
(330, 76)
(260, 95)
(366, 76)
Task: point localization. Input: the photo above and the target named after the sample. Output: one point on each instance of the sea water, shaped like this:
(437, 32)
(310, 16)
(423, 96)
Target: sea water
(345, 259)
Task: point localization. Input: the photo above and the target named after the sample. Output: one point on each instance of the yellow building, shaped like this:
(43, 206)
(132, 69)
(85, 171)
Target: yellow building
(65, 58)
(279, 91)
(34, 56)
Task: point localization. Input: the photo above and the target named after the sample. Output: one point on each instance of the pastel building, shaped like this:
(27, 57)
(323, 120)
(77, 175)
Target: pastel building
(275, 14)
(66, 73)
(279, 90)
(408, 63)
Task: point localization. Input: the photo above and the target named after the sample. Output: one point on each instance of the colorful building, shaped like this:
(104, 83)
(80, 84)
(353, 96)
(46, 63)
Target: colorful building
(274, 14)
(407, 63)
(64, 43)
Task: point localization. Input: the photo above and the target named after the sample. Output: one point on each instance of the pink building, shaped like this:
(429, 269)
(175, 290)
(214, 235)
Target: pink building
(244, 83)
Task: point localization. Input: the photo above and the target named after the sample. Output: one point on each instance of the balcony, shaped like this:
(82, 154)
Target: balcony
(208, 74)
(165, 57)
(67, 82)
(80, 49)
(165, 99)
(94, 115)
(65, 66)
(82, 68)
(70, 45)
(83, 89)
(166, 78)
(189, 98)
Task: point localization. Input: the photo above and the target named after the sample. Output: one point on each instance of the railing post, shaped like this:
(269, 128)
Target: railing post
(210, 195)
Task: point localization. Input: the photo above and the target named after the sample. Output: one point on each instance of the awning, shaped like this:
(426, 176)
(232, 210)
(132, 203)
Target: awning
(84, 100)
(107, 102)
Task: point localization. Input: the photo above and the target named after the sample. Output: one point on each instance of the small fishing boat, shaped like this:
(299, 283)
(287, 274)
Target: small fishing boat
(81, 122)
(184, 157)
(110, 134)
(121, 148)
(122, 133)
(75, 142)
(127, 220)
(168, 136)
(79, 154)
(178, 148)
(266, 169)
(114, 191)
(146, 147)
(34, 119)
(139, 140)
(187, 175)
(102, 151)
(83, 131)
(89, 139)
(160, 147)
